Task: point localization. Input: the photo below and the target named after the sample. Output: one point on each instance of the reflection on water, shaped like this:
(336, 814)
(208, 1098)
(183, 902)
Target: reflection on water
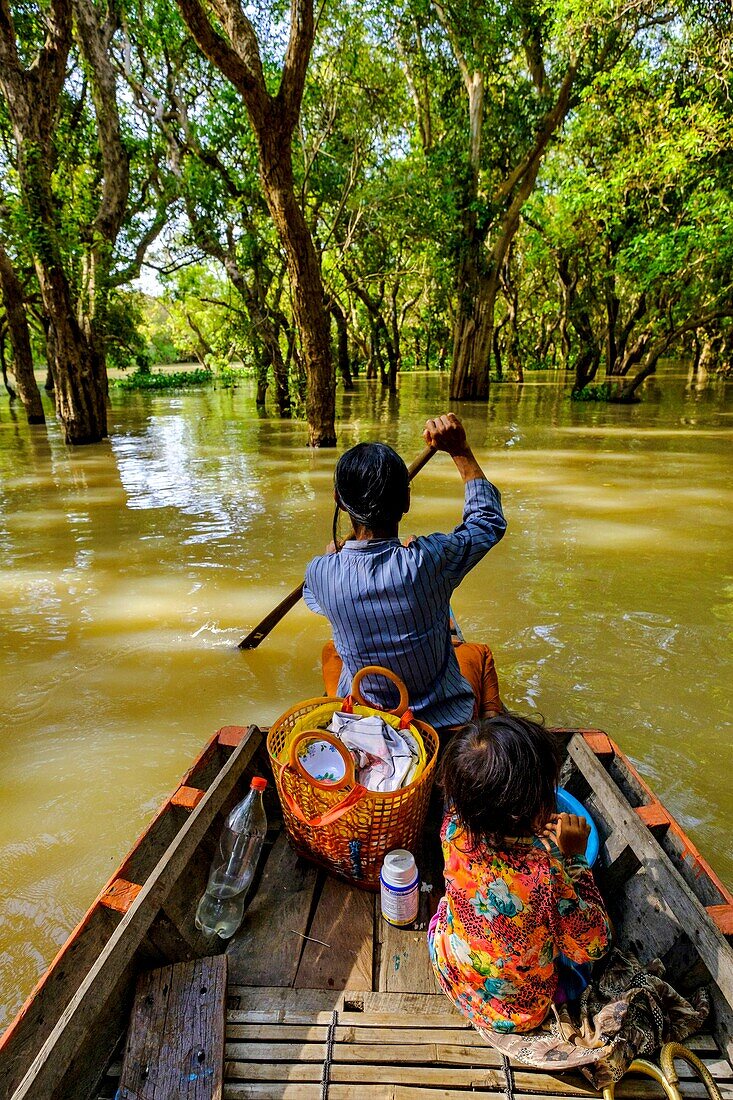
(134, 567)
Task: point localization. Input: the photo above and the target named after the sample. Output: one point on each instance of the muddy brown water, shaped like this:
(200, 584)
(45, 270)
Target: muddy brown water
(131, 570)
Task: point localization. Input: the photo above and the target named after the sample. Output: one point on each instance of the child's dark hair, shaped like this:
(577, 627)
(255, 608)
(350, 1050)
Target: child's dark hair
(499, 778)
(372, 486)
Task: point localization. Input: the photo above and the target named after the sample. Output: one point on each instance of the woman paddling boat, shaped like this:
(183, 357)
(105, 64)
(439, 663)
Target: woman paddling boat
(388, 602)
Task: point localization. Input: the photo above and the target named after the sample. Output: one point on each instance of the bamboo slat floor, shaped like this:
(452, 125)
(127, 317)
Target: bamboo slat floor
(360, 1009)
(389, 1046)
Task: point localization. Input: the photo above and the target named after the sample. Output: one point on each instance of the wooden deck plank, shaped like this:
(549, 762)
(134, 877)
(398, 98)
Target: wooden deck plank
(346, 1051)
(285, 1090)
(271, 1035)
(335, 1092)
(361, 1074)
(478, 1053)
(344, 920)
(388, 1020)
(402, 953)
(263, 1004)
(175, 1043)
(267, 949)
(347, 1033)
(287, 1001)
(404, 960)
(312, 1071)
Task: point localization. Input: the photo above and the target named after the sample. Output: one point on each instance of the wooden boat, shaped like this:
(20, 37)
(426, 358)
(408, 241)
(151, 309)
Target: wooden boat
(326, 999)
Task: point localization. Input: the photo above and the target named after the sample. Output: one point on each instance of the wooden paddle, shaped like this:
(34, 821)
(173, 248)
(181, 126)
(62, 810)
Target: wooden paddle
(270, 621)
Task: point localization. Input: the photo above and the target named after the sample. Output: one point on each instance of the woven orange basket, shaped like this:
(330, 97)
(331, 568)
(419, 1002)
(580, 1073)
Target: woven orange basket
(341, 825)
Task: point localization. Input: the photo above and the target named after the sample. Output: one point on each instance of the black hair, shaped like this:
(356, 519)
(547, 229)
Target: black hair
(500, 777)
(372, 486)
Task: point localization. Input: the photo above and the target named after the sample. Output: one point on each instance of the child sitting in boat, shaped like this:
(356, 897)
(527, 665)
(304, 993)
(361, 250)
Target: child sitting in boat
(389, 603)
(521, 906)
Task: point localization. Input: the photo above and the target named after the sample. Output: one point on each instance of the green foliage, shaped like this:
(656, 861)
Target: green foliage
(600, 392)
(163, 380)
(633, 203)
(124, 326)
(219, 374)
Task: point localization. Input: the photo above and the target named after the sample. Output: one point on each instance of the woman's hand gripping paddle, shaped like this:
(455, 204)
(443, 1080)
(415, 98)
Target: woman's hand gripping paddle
(270, 621)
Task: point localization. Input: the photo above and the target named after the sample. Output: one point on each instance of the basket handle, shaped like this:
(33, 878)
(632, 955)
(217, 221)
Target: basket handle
(337, 811)
(349, 777)
(354, 796)
(376, 670)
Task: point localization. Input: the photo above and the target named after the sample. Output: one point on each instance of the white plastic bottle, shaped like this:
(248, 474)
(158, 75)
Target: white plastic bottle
(400, 887)
(221, 908)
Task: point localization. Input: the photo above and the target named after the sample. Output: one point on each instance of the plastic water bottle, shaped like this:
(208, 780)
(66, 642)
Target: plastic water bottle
(400, 887)
(221, 908)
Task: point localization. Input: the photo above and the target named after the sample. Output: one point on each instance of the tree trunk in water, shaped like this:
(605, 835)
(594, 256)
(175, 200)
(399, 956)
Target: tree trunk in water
(371, 367)
(262, 366)
(32, 96)
(394, 345)
(627, 395)
(472, 335)
(305, 276)
(20, 341)
(498, 361)
(282, 389)
(49, 385)
(343, 345)
(696, 353)
(613, 352)
(383, 372)
(79, 391)
(4, 367)
(79, 373)
(266, 327)
(586, 366)
(389, 377)
(589, 358)
(261, 393)
(80, 379)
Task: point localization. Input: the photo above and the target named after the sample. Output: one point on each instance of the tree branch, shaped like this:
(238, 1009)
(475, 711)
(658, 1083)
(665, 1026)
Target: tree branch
(94, 40)
(248, 81)
(300, 43)
(552, 120)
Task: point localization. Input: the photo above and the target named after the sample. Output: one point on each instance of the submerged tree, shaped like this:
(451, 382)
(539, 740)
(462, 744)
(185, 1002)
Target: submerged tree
(12, 296)
(636, 218)
(32, 81)
(274, 117)
(33, 73)
(493, 87)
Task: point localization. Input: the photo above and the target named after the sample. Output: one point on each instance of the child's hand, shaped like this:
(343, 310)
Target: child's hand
(570, 832)
(446, 433)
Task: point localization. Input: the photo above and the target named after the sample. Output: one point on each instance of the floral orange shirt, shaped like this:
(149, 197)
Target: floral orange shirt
(506, 916)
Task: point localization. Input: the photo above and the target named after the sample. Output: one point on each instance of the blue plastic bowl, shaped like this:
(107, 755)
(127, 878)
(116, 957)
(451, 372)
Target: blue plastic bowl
(566, 804)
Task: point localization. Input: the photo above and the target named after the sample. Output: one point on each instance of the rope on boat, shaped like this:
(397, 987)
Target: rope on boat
(326, 1070)
(508, 1077)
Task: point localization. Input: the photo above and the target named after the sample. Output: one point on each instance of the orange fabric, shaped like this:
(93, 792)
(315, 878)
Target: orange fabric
(475, 660)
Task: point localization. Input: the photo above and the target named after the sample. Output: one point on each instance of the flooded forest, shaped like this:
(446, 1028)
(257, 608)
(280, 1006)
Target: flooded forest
(238, 239)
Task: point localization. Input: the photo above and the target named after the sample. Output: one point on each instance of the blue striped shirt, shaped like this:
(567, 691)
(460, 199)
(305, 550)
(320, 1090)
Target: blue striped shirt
(389, 605)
